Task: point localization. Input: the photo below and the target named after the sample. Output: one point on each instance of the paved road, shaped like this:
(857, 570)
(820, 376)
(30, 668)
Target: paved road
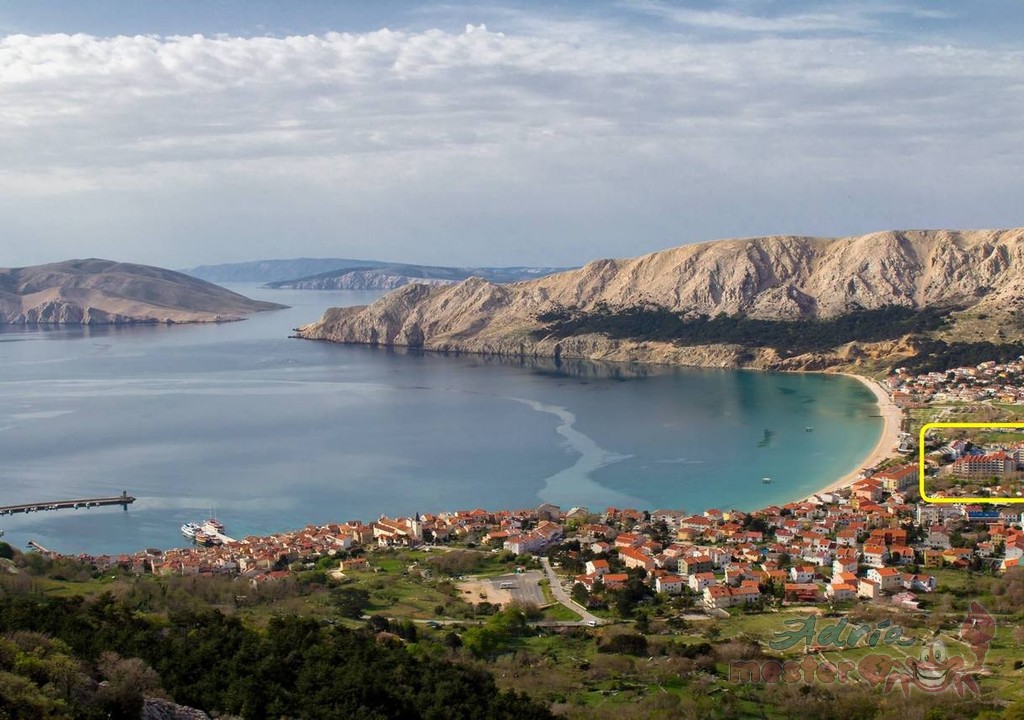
(481, 621)
(563, 597)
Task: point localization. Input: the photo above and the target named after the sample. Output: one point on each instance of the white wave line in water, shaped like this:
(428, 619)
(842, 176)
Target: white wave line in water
(680, 461)
(154, 502)
(191, 386)
(574, 485)
(40, 414)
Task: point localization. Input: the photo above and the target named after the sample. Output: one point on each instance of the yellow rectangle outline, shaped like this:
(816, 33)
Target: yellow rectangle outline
(968, 500)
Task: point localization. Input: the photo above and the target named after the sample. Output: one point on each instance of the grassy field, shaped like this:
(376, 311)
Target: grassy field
(952, 412)
(566, 666)
(88, 588)
(560, 613)
(555, 610)
(399, 595)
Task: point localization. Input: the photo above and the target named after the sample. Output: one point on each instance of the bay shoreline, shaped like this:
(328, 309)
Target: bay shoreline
(891, 414)
(892, 421)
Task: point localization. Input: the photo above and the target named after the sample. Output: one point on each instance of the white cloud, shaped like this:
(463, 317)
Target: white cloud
(846, 17)
(582, 133)
(745, 22)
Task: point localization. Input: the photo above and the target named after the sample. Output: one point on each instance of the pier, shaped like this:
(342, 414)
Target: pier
(124, 500)
(213, 529)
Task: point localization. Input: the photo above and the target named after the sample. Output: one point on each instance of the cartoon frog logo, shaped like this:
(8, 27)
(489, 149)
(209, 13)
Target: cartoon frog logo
(936, 670)
(935, 667)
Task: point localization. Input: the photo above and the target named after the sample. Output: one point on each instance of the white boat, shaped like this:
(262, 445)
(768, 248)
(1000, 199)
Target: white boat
(213, 526)
(190, 530)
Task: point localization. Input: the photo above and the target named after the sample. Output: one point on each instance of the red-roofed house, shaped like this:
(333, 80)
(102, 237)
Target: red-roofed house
(802, 574)
(695, 564)
(868, 589)
(699, 581)
(633, 558)
(615, 580)
(669, 584)
(998, 463)
(920, 583)
(629, 540)
(898, 479)
(804, 592)
(888, 579)
(841, 592)
(875, 555)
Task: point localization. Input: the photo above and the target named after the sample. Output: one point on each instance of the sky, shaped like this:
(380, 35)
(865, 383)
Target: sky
(181, 132)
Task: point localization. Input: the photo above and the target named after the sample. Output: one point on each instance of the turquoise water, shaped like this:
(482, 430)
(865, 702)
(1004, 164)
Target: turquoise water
(272, 433)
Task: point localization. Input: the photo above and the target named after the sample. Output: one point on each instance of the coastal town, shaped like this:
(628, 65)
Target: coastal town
(868, 539)
(869, 542)
(872, 541)
(607, 607)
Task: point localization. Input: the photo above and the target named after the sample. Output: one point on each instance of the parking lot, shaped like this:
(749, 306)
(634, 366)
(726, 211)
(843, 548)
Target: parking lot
(505, 589)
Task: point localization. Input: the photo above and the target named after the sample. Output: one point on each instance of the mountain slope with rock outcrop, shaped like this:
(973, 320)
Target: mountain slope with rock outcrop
(975, 277)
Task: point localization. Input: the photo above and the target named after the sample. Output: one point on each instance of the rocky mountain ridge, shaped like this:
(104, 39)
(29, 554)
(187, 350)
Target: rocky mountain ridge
(977, 274)
(343, 274)
(390, 277)
(105, 292)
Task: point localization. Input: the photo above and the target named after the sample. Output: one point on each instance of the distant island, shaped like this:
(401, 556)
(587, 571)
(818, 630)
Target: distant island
(859, 303)
(105, 292)
(347, 274)
(265, 271)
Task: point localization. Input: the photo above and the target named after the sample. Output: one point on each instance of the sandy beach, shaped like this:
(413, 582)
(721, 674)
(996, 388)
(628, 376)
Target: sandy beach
(892, 418)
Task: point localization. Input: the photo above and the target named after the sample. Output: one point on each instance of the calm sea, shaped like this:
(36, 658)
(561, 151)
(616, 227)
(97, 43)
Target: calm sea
(271, 433)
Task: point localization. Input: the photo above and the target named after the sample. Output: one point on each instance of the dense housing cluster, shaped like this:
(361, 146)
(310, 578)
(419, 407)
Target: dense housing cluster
(869, 541)
(989, 380)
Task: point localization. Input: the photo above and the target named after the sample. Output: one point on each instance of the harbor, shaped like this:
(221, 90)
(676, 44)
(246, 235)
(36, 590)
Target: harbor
(208, 533)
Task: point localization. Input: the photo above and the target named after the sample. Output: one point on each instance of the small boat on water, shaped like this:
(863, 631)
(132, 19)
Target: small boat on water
(190, 530)
(808, 429)
(203, 538)
(766, 480)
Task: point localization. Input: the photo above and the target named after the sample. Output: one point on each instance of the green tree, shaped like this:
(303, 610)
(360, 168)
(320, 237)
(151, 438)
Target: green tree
(294, 667)
(128, 682)
(350, 602)
(643, 622)
(661, 533)
(482, 641)
(625, 644)
(580, 594)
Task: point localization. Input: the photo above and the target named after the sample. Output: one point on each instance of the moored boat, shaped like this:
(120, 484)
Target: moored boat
(203, 538)
(213, 526)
